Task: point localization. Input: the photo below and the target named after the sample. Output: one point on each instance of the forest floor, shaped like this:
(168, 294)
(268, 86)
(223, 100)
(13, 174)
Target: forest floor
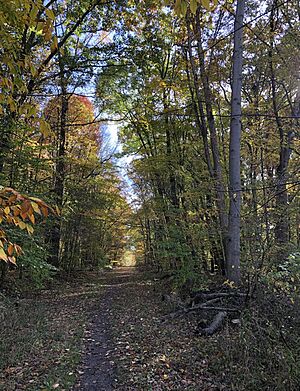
(104, 331)
(101, 332)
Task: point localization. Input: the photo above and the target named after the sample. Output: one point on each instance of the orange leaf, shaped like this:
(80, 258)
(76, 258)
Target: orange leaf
(18, 249)
(12, 198)
(10, 249)
(44, 210)
(16, 211)
(23, 215)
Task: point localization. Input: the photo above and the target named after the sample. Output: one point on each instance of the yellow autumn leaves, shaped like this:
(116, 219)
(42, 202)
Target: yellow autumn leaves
(18, 210)
(182, 6)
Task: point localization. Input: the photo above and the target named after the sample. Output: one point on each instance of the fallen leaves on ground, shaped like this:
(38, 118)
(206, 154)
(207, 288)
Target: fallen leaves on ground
(150, 355)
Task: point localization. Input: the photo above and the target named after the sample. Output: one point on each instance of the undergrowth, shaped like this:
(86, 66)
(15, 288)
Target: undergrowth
(40, 340)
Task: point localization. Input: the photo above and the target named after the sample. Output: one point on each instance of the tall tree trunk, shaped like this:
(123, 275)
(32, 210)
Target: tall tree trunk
(218, 175)
(59, 176)
(208, 123)
(197, 100)
(282, 220)
(234, 226)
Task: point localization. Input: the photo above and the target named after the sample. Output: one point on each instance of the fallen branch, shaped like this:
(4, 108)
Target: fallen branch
(221, 309)
(200, 296)
(183, 311)
(223, 294)
(202, 305)
(215, 325)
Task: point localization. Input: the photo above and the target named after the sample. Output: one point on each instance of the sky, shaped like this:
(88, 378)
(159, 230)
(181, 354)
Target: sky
(112, 129)
(123, 162)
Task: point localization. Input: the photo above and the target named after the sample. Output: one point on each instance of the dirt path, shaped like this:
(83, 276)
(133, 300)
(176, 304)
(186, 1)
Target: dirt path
(98, 369)
(103, 331)
(128, 348)
(107, 331)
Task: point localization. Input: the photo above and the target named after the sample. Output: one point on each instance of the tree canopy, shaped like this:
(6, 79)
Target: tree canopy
(202, 186)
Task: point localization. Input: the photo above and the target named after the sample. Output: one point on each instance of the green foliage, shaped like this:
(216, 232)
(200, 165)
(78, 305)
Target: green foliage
(285, 276)
(190, 277)
(32, 263)
(35, 265)
(181, 6)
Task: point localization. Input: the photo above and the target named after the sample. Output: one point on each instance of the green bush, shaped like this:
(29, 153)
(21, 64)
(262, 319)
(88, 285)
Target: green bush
(285, 277)
(32, 263)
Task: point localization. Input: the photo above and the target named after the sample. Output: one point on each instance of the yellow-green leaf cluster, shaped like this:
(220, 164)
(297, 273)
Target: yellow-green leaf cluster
(23, 26)
(182, 6)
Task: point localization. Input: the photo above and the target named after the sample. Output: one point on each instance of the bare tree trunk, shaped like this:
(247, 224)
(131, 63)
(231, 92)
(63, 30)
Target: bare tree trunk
(208, 124)
(282, 218)
(234, 226)
(59, 176)
(198, 104)
(265, 203)
(281, 226)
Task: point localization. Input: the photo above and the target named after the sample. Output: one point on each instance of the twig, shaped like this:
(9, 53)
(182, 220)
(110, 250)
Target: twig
(221, 309)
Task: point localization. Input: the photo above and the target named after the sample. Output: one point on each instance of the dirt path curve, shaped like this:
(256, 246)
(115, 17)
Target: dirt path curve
(97, 368)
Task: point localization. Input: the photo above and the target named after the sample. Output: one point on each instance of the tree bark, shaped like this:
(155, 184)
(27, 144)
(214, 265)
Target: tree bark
(286, 139)
(206, 122)
(215, 325)
(234, 226)
(59, 177)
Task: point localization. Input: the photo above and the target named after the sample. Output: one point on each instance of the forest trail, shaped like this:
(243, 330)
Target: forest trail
(97, 369)
(107, 331)
(128, 348)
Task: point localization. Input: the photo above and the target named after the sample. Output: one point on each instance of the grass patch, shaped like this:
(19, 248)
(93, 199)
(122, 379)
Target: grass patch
(41, 338)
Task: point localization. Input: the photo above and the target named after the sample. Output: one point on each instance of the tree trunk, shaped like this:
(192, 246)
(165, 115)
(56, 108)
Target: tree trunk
(234, 226)
(282, 219)
(208, 123)
(59, 176)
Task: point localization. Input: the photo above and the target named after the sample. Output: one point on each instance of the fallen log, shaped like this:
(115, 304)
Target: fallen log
(215, 324)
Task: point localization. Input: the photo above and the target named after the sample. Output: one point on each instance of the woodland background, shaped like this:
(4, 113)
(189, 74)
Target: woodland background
(211, 191)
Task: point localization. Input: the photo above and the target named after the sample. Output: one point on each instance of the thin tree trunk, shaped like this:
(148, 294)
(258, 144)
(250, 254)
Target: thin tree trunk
(282, 223)
(234, 227)
(265, 203)
(59, 176)
(217, 168)
(197, 104)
